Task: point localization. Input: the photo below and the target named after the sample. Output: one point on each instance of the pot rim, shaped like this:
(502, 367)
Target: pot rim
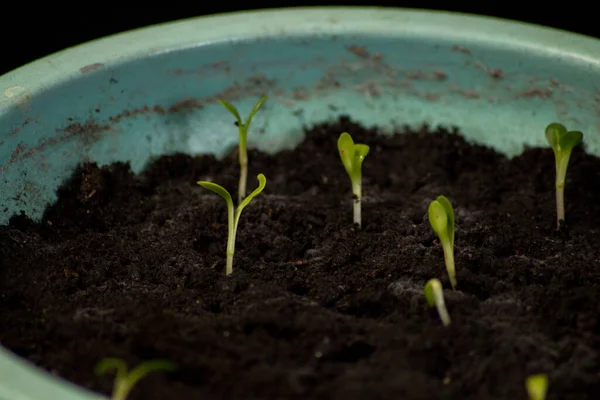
(109, 51)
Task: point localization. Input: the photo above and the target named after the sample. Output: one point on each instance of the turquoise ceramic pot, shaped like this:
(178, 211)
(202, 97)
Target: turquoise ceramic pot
(152, 91)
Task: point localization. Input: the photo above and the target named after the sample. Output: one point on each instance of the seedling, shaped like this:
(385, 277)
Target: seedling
(441, 218)
(435, 298)
(562, 143)
(242, 150)
(352, 156)
(124, 380)
(537, 386)
(233, 214)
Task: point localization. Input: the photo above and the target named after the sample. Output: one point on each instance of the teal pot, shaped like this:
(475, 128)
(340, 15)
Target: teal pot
(153, 91)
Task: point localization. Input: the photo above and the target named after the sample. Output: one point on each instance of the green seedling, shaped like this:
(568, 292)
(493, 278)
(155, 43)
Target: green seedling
(352, 156)
(435, 298)
(562, 143)
(126, 380)
(233, 214)
(537, 386)
(441, 218)
(242, 150)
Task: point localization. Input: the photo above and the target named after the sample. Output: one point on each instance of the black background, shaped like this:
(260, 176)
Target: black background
(31, 32)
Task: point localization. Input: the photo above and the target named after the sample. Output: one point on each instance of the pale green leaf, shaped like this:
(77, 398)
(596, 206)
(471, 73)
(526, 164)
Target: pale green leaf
(346, 150)
(450, 214)
(561, 140)
(254, 111)
(360, 152)
(570, 139)
(262, 182)
(218, 189)
(553, 133)
(438, 219)
(109, 364)
(145, 368)
(433, 289)
(232, 110)
(537, 386)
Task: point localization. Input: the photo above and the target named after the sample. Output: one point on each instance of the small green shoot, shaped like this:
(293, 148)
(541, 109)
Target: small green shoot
(126, 380)
(242, 150)
(537, 386)
(352, 156)
(435, 298)
(441, 218)
(562, 143)
(233, 217)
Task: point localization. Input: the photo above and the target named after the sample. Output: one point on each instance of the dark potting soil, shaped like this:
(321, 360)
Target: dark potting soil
(132, 267)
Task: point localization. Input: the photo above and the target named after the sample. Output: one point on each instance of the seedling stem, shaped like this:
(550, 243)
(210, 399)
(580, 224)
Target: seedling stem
(435, 298)
(357, 203)
(441, 218)
(242, 149)
(562, 143)
(233, 214)
(449, 261)
(124, 380)
(352, 156)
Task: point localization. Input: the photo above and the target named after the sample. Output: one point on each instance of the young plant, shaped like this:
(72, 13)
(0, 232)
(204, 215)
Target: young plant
(233, 216)
(242, 150)
(562, 143)
(441, 218)
(537, 386)
(352, 156)
(435, 298)
(124, 380)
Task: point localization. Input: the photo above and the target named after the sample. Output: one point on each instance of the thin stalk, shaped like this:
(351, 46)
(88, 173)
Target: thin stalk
(232, 225)
(243, 158)
(561, 172)
(357, 199)
(442, 311)
(449, 261)
(560, 205)
(121, 391)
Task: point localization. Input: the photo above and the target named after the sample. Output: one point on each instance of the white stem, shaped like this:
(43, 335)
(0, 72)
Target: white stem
(561, 173)
(441, 308)
(560, 205)
(243, 178)
(356, 203)
(449, 261)
(232, 219)
(357, 212)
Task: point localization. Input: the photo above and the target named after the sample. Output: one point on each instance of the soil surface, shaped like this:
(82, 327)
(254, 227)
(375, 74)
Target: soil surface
(132, 267)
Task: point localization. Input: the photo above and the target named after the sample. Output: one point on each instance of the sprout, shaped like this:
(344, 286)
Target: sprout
(352, 156)
(537, 386)
(435, 297)
(562, 142)
(124, 380)
(233, 217)
(441, 218)
(242, 151)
